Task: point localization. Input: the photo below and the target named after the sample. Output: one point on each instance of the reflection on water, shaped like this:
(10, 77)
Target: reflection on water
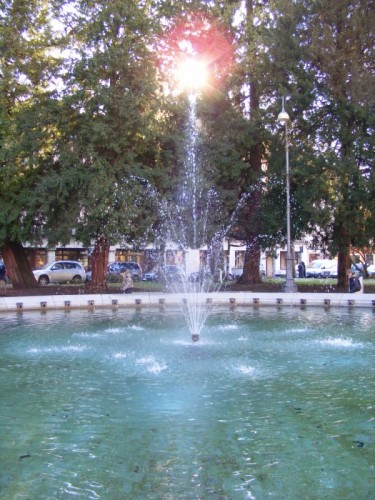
(121, 404)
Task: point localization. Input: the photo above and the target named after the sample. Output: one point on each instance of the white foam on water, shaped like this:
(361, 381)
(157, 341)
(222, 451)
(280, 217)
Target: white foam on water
(189, 342)
(341, 342)
(228, 327)
(120, 355)
(297, 330)
(136, 328)
(151, 364)
(86, 335)
(57, 349)
(246, 370)
(113, 330)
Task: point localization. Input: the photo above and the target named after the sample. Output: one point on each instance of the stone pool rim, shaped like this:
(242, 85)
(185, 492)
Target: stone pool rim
(164, 300)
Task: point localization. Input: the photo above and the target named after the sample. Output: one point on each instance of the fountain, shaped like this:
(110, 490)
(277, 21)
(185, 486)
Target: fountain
(188, 230)
(117, 403)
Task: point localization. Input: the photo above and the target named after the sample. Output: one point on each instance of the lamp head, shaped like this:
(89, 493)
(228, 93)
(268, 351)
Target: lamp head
(283, 117)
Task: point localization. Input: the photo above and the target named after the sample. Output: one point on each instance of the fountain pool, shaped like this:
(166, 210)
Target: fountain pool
(122, 404)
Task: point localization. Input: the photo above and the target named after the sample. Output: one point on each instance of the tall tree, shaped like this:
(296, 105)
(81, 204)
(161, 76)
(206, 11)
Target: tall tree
(26, 68)
(195, 41)
(337, 120)
(237, 130)
(106, 149)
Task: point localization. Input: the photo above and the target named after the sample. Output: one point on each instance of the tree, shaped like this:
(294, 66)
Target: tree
(193, 33)
(96, 183)
(26, 68)
(238, 134)
(339, 53)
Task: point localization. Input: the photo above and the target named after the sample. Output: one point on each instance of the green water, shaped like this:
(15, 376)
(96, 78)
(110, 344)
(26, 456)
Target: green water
(271, 403)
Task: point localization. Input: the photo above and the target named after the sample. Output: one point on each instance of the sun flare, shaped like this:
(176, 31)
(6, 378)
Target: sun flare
(191, 74)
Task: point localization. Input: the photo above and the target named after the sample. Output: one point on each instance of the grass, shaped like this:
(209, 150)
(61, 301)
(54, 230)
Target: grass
(267, 285)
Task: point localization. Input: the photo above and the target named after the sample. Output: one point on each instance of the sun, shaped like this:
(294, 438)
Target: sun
(191, 74)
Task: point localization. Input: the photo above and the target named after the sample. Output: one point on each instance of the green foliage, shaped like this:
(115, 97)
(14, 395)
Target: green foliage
(91, 146)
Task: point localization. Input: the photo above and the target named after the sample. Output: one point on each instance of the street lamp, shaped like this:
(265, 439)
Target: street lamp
(289, 285)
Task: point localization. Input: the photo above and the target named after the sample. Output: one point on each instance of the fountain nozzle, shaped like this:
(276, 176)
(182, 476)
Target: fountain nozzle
(195, 337)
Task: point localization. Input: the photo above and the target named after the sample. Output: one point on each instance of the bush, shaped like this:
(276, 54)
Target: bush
(114, 278)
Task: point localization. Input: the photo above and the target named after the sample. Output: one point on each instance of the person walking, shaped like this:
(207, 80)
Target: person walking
(127, 281)
(301, 270)
(355, 284)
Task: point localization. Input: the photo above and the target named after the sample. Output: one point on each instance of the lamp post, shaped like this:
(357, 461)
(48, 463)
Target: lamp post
(289, 285)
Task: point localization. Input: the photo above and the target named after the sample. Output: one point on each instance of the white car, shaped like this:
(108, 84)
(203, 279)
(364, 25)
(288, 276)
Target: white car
(321, 268)
(330, 270)
(61, 271)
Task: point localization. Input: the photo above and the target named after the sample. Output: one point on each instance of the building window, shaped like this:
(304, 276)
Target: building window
(128, 256)
(239, 258)
(79, 254)
(37, 257)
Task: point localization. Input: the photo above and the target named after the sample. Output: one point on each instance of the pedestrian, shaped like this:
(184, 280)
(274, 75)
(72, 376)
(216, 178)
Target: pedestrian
(127, 281)
(354, 282)
(3, 275)
(2, 272)
(301, 270)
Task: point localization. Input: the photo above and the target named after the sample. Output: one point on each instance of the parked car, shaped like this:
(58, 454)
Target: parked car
(317, 268)
(153, 275)
(169, 273)
(237, 272)
(281, 273)
(330, 270)
(118, 267)
(199, 276)
(61, 271)
(173, 273)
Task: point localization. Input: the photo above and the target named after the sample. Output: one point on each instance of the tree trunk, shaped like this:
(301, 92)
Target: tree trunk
(343, 259)
(251, 273)
(99, 264)
(18, 266)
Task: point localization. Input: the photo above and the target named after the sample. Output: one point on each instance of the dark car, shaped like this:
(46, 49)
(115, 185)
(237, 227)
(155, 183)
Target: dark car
(199, 276)
(169, 273)
(153, 275)
(119, 267)
(173, 273)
